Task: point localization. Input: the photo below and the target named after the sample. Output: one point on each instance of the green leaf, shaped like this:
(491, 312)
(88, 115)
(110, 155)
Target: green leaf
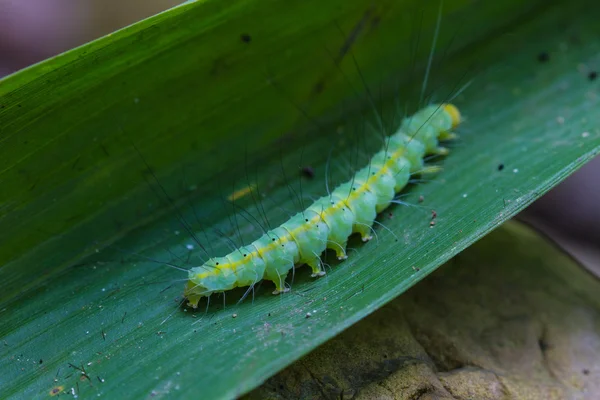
(211, 113)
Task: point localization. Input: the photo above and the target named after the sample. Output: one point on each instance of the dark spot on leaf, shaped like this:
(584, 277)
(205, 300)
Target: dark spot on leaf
(592, 75)
(319, 86)
(308, 172)
(500, 167)
(244, 37)
(543, 57)
(375, 21)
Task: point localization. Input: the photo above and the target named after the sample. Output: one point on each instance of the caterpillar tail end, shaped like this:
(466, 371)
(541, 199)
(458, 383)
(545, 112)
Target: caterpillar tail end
(193, 300)
(454, 114)
(192, 294)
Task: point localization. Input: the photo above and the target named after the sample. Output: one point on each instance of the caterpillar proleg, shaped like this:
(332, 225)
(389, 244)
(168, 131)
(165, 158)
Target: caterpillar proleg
(329, 221)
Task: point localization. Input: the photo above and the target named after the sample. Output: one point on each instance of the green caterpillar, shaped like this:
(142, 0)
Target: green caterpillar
(351, 208)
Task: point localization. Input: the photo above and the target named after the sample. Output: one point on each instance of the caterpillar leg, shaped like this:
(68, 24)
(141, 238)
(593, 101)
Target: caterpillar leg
(315, 265)
(341, 254)
(280, 285)
(365, 232)
(448, 136)
(339, 248)
(430, 170)
(442, 151)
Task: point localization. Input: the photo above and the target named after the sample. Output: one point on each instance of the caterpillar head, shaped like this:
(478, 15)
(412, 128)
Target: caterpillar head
(447, 119)
(432, 124)
(453, 113)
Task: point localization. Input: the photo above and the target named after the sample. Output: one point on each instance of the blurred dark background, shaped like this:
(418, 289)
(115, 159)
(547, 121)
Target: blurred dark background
(33, 30)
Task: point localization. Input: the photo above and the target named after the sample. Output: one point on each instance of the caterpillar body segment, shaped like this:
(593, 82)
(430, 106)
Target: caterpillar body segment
(351, 208)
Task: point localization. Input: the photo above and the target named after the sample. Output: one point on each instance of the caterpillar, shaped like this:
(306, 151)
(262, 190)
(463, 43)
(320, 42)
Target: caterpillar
(329, 221)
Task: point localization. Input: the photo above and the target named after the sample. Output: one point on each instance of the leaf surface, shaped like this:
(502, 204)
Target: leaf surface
(211, 113)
